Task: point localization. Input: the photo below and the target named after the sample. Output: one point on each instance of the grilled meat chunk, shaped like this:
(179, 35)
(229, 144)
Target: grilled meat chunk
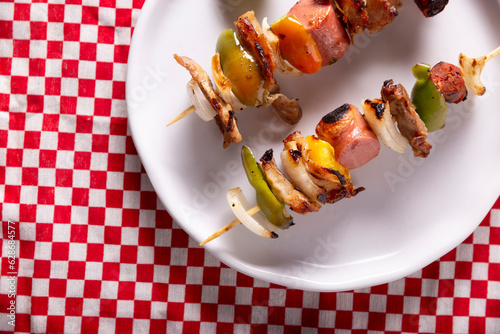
(449, 79)
(250, 33)
(225, 115)
(381, 13)
(335, 184)
(287, 109)
(285, 190)
(431, 7)
(409, 123)
(354, 15)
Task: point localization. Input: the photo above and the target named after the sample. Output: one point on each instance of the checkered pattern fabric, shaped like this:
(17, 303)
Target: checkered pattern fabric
(87, 248)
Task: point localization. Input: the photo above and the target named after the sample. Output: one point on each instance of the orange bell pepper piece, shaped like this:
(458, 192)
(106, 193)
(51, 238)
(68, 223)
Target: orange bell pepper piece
(296, 45)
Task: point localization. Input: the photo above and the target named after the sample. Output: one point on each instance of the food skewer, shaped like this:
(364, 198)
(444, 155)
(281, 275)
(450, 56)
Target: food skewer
(471, 68)
(313, 34)
(317, 166)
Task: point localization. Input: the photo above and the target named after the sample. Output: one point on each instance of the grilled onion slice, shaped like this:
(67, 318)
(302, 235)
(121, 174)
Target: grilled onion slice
(256, 223)
(472, 68)
(202, 107)
(377, 114)
(225, 119)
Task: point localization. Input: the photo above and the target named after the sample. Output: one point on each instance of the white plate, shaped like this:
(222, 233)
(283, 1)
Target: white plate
(413, 210)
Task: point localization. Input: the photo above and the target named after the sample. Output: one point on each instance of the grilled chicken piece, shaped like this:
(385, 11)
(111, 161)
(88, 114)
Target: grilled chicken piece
(336, 183)
(381, 13)
(296, 168)
(251, 34)
(431, 7)
(225, 115)
(283, 189)
(355, 15)
(409, 123)
(334, 191)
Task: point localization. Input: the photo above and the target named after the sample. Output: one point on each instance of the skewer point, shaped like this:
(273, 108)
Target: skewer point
(181, 115)
(229, 226)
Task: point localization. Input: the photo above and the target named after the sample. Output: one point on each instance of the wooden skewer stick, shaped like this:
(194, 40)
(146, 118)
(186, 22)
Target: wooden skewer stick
(229, 226)
(181, 115)
(493, 53)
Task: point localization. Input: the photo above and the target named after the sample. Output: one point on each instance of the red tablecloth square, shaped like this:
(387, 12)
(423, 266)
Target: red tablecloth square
(5, 66)
(88, 51)
(90, 15)
(71, 32)
(38, 30)
(22, 12)
(6, 29)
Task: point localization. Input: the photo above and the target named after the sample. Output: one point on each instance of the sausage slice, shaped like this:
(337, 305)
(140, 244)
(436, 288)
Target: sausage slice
(320, 20)
(351, 137)
(449, 79)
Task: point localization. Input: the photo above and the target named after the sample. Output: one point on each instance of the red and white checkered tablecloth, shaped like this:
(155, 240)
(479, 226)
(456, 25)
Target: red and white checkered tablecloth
(86, 246)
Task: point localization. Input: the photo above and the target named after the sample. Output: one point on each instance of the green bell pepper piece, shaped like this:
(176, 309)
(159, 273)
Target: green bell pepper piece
(274, 210)
(240, 68)
(427, 99)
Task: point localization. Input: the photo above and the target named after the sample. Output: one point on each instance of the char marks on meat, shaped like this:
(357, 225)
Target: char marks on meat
(311, 184)
(337, 114)
(381, 13)
(409, 123)
(449, 79)
(225, 115)
(431, 7)
(335, 184)
(295, 165)
(354, 15)
(250, 33)
(351, 137)
(285, 190)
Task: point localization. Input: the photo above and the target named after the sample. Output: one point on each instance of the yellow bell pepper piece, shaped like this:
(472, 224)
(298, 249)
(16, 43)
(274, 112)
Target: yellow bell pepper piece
(323, 154)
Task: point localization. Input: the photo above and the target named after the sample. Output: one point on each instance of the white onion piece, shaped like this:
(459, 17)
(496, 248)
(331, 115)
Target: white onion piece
(283, 65)
(257, 223)
(201, 105)
(384, 128)
(297, 172)
(472, 68)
